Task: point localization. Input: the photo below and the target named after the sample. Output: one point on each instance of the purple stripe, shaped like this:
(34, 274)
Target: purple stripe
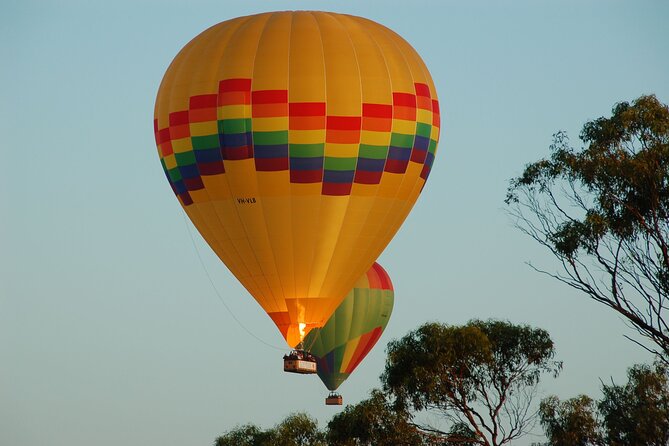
(429, 160)
(179, 187)
(271, 151)
(306, 163)
(370, 165)
(421, 143)
(208, 155)
(399, 153)
(338, 176)
(189, 171)
(235, 139)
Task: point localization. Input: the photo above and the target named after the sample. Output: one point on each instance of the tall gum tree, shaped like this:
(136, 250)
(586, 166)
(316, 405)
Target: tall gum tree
(603, 211)
(480, 378)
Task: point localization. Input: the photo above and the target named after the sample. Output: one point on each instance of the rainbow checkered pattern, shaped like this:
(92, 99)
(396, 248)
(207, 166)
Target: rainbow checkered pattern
(354, 328)
(210, 142)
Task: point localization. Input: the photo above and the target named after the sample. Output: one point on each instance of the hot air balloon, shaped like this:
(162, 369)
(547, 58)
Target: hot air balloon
(352, 330)
(297, 143)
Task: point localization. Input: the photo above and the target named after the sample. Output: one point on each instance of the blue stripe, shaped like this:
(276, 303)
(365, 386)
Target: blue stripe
(306, 163)
(421, 143)
(235, 139)
(271, 151)
(189, 171)
(338, 176)
(399, 153)
(179, 187)
(429, 160)
(208, 155)
(370, 165)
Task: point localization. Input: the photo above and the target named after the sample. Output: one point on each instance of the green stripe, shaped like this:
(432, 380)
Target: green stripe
(270, 138)
(185, 158)
(332, 163)
(423, 129)
(174, 174)
(401, 140)
(306, 150)
(205, 142)
(373, 152)
(232, 126)
(432, 147)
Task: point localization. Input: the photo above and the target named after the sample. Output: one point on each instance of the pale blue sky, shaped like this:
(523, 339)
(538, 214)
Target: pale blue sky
(110, 332)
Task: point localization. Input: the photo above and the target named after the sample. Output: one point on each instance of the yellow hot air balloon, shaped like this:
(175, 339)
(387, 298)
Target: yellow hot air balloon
(297, 143)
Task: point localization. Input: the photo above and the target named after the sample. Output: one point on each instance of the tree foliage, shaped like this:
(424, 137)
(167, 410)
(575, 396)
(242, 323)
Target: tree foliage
(633, 414)
(482, 375)
(296, 430)
(373, 422)
(603, 211)
(570, 423)
(637, 413)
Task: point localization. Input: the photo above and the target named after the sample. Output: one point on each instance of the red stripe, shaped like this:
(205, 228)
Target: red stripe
(155, 126)
(383, 277)
(186, 198)
(396, 166)
(367, 341)
(306, 176)
(422, 89)
(336, 189)
(404, 99)
(307, 109)
(234, 85)
(373, 278)
(362, 177)
(269, 96)
(435, 106)
(203, 101)
(343, 122)
(193, 183)
(377, 110)
(418, 156)
(212, 168)
(163, 135)
(237, 153)
(271, 164)
(425, 172)
(166, 148)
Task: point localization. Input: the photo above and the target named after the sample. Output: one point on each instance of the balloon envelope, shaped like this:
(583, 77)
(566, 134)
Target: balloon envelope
(354, 328)
(297, 143)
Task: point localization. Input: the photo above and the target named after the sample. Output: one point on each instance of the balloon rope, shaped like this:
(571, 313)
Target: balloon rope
(218, 294)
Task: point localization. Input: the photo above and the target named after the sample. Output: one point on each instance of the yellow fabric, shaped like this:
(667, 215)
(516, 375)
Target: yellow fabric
(296, 250)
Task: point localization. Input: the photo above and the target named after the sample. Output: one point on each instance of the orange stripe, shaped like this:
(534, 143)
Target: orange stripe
(424, 103)
(234, 98)
(269, 110)
(179, 131)
(407, 113)
(306, 123)
(202, 114)
(377, 124)
(342, 136)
